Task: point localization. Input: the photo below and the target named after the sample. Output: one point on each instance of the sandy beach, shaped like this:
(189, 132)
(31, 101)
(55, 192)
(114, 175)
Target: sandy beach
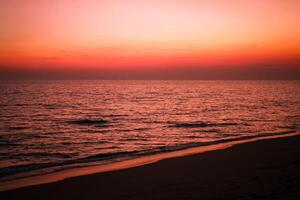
(266, 169)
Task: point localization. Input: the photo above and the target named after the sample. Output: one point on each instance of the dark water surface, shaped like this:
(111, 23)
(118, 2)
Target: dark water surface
(47, 126)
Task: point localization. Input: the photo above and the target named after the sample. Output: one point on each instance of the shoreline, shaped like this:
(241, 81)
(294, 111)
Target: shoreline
(127, 164)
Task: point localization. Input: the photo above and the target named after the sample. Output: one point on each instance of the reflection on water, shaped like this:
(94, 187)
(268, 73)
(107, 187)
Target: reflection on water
(52, 124)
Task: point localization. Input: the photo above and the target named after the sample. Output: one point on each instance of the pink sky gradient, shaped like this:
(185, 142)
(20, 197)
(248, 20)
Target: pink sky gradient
(149, 33)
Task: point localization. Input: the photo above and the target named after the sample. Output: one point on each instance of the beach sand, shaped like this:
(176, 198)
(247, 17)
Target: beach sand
(265, 169)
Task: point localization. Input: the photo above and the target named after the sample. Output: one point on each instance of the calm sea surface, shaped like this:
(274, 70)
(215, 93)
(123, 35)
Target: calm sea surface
(48, 126)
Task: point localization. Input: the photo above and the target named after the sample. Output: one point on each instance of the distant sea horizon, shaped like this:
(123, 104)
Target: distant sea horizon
(155, 73)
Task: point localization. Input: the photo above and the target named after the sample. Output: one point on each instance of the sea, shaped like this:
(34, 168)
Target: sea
(48, 126)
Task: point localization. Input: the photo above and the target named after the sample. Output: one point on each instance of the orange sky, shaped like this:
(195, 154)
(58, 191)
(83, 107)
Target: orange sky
(149, 33)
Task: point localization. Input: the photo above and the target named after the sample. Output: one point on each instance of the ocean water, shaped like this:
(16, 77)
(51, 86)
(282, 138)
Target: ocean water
(47, 126)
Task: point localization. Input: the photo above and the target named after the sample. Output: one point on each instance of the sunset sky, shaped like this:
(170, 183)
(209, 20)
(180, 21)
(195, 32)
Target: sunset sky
(149, 33)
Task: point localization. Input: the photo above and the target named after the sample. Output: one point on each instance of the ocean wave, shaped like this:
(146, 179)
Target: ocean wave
(43, 155)
(87, 122)
(95, 131)
(6, 172)
(206, 131)
(198, 124)
(18, 127)
(135, 129)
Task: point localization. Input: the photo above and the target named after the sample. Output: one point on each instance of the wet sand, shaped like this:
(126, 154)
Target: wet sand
(265, 169)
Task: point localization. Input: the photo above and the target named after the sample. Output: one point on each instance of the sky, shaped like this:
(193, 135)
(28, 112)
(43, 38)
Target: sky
(149, 33)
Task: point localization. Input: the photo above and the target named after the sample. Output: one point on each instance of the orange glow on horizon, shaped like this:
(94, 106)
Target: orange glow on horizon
(149, 33)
